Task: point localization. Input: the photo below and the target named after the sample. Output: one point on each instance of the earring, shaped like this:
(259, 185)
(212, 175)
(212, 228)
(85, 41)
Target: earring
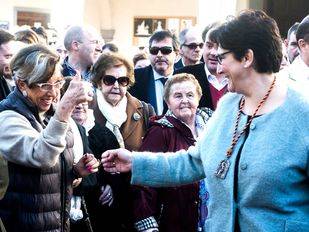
(24, 93)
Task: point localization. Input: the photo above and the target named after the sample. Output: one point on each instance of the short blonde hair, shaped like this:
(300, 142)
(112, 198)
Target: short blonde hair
(34, 64)
(178, 78)
(108, 61)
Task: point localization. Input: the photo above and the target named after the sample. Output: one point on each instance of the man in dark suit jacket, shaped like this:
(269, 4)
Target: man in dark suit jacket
(149, 81)
(6, 54)
(214, 85)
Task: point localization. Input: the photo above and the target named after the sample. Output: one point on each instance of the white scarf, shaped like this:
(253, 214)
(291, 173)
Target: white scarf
(115, 115)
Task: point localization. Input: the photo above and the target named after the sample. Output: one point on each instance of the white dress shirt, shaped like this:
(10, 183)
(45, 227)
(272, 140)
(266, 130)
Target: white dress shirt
(213, 80)
(299, 71)
(159, 91)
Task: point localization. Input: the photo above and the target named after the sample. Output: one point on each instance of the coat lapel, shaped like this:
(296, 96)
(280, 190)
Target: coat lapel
(135, 115)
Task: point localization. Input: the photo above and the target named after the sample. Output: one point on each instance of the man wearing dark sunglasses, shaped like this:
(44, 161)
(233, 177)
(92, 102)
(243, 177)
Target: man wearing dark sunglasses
(150, 80)
(191, 47)
(214, 85)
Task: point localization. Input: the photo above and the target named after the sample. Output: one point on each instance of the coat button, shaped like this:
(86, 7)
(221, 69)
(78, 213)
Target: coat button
(252, 126)
(243, 166)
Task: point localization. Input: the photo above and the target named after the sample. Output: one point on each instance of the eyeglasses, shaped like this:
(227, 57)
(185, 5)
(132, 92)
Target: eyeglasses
(194, 46)
(110, 80)
(221, 56)
(49, 86)
(164, 50)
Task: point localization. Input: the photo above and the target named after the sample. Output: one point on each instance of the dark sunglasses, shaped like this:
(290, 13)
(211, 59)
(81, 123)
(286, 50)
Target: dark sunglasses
(221, 56)
(164, 50)
(193, 46)
(110, 80)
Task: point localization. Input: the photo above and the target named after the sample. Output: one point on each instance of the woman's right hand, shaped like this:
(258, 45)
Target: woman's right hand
(119, 160)
(77, 92)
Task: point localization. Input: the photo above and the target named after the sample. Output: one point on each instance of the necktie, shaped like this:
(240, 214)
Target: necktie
(163, 80)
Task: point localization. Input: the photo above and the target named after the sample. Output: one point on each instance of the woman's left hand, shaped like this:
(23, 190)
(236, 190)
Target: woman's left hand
(86, 165)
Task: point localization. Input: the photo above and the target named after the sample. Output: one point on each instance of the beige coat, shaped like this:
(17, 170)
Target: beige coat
(134, 128)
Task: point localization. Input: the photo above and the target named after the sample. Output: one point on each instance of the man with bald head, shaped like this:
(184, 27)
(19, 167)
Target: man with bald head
(6, 54)
(191, 47)
(83, 45)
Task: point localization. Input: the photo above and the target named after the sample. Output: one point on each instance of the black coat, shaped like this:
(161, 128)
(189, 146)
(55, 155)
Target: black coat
(144, 82)
(4, 88)
(116, 217)
(178, 64)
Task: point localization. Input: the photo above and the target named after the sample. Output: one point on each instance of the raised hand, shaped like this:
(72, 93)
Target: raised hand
(86, 165)
(119, 160)
(77, 92)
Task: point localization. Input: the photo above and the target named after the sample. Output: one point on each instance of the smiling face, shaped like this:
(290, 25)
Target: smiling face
(163, 64)
(232, 69)
(41, 98)
(89, 49)
(114, 93)
(183, 101)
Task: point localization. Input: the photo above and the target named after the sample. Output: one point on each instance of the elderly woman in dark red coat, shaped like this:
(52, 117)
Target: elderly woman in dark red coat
(174, 209)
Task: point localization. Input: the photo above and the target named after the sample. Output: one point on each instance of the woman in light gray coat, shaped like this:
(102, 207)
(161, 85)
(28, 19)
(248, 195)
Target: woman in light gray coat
(37, 142)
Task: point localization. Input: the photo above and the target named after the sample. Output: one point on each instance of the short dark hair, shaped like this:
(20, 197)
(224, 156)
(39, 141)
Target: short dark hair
(27, 36)
(161, 35)
(110, 46)
(303, 30)
(139, 56)
(108, 61)
(292, 29)
(255, 30)
(5, 37)
(41, 31)
(208, 27)
(214, 35)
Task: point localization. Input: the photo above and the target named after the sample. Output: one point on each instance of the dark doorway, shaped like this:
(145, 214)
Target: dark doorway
(29, 18)
(286, 12)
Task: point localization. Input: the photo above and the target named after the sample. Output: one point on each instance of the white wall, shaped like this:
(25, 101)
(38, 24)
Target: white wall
(7, 9)
(119, 14)
(211, 11)
(123, 12)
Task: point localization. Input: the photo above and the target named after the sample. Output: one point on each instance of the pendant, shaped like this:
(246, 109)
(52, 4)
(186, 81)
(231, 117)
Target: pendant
(223, 169)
